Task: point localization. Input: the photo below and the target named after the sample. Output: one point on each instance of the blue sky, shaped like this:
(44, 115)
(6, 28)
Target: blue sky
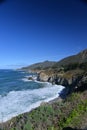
(37, 30)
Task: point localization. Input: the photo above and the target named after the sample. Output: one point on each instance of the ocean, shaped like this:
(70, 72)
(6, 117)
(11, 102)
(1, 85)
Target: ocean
(19, 95)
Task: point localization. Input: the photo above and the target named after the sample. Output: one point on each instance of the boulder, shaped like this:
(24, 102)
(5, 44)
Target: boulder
(30, 78)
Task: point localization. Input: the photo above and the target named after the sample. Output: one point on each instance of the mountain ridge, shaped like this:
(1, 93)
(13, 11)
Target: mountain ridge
(40, 65)
(80, 57)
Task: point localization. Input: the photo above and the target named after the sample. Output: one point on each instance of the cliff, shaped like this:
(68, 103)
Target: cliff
(75, 80)
(69, 72)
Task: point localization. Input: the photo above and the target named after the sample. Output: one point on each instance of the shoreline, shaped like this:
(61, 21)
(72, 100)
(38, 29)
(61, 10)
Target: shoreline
(56, 99)
(9, 122)
(38, 104)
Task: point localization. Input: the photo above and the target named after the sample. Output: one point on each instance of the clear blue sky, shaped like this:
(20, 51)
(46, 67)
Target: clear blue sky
(36, 30)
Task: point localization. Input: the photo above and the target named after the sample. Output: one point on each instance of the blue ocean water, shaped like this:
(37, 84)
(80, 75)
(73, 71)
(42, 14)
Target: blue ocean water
(19, 95)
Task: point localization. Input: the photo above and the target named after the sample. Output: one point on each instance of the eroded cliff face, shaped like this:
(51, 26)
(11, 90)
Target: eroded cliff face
(42, 77)
(74, 80)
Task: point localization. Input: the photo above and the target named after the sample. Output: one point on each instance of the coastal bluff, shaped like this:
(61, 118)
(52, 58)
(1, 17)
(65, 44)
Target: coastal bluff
(75, 80)
(70, 72)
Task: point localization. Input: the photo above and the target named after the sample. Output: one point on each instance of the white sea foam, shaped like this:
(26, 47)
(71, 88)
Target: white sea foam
(22, 72)
(18, 102)
(26, 80)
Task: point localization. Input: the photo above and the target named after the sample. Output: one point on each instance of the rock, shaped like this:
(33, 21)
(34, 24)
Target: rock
(30, 78)
(82, 83)
(42, 77)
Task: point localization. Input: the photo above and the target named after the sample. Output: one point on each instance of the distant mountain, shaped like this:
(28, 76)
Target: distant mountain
(78, 58)
(40, 65)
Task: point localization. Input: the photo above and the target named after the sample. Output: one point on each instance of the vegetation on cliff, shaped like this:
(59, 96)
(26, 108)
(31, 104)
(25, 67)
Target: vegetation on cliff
(70, 112)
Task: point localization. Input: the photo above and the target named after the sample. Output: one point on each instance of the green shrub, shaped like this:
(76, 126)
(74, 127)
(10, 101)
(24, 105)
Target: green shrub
(28, 126)
(74, 115)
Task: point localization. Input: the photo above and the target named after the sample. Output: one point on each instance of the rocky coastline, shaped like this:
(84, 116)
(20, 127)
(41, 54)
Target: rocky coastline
(70, 72)
(74, 81)
(67, 111)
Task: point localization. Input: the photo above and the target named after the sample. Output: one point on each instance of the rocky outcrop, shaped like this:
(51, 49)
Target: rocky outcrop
(58, 80)
(74, 83)
(42, 77)
(30, 78)
(82, 84)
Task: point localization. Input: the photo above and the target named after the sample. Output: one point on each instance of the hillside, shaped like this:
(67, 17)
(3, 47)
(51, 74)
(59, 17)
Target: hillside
(79, 58)
(70, 72)
(40, 65)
